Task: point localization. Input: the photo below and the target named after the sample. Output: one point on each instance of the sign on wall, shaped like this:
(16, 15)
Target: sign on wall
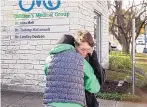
(32, 29)
(48, 5)
(38, 25)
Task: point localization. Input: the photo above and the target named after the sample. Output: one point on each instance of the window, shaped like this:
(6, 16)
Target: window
(97, 34)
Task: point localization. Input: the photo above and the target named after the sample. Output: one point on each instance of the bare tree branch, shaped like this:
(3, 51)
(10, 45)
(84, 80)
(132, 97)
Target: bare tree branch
(132, 7)
(121, 23)
(141, 13)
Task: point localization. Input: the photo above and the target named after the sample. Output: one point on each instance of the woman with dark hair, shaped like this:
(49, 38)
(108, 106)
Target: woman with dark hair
(68, 75)
(83, 42)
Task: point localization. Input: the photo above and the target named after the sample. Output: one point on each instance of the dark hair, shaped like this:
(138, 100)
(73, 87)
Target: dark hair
(66, 39)
(84, 36)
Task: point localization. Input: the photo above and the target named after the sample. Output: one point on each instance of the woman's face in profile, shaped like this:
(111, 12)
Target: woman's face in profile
(84, 49)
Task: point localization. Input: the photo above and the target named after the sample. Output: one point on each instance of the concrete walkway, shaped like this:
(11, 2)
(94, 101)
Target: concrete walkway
(23, 99)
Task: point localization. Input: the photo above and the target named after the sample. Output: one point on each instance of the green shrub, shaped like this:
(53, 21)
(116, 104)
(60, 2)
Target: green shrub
(130, 97)
(118, 97)
(109, 96)
(119, 62)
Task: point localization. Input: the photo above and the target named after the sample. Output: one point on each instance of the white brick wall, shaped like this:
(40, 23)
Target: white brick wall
(53, 42)
(6, 56)
(24, 47)
(23, 59)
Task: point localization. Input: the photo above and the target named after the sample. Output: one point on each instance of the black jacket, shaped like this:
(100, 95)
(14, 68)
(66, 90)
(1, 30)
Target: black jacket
(98, 70)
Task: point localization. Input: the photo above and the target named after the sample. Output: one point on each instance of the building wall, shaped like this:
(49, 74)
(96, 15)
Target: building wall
(23, 58)
(86, 16)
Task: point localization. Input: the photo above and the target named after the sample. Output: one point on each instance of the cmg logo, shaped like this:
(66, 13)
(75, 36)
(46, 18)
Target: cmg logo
(49, 5)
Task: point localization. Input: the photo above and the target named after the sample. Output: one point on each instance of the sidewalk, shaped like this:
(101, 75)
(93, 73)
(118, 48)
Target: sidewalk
(20, 99)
